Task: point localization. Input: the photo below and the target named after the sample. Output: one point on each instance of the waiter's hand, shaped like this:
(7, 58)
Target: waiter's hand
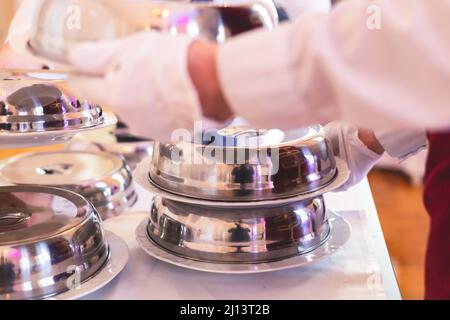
(12, 60)
(144, 79)
(358, 147)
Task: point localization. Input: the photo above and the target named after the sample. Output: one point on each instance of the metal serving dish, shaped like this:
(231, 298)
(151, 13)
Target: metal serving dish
(50, 239)
(239, 164)
(132, 152)
(103, 178)
(233, 235)
(116, 139)
(42, 102)
(58, 28)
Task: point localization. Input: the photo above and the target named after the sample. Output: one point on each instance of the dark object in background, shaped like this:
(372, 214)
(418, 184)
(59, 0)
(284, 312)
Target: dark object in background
(282, 14)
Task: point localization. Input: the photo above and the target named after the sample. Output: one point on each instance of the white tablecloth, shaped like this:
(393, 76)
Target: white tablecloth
(360, 270)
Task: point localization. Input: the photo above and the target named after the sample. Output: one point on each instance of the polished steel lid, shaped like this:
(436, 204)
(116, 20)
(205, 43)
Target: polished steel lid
(42, 101)
(247, 137)
(119, 141)
(51, 241)
(238, 235)
(245, 164)
(60, 25)
(103, 178)
(216, 21)
(28, 214)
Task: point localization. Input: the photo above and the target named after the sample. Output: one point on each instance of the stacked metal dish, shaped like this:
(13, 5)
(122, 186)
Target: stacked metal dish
(33, 104)
(39, 108)
(238, 235)
(132, 149)
(102, 178)
(241, 196)
(58, 28)
(52, 241)
(243, 164)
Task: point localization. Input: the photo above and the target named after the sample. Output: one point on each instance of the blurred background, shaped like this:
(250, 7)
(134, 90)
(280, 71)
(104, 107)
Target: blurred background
(397, 190)
(6, 12)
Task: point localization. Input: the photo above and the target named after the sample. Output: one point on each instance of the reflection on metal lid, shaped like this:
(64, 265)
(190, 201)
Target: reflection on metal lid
(33, 213)
(60, 168)
(34, 102)
(103, 178)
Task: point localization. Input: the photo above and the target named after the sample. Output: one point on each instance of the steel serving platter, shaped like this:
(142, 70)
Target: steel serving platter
(39, 108)
(238, 164)
(47, 236)
(141, 177)
(339, 235)
(239, 235)
(102, 178)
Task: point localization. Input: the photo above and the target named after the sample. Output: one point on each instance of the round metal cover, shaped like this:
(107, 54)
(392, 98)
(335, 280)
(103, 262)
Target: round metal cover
(29, 214)
(103, 178)
(47, 234)
(241, 164)
(32, 102)
(60, 168)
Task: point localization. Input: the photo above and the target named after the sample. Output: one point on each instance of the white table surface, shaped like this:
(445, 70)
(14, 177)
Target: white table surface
(360, 270)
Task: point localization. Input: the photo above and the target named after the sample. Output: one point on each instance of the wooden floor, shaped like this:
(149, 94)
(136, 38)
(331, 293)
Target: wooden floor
(405, 227)
(4, 154)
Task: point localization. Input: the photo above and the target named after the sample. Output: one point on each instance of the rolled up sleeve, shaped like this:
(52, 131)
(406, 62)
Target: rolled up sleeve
(402, 144)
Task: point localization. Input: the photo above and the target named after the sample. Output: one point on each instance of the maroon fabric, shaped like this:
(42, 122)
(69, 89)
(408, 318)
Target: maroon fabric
(437, 202)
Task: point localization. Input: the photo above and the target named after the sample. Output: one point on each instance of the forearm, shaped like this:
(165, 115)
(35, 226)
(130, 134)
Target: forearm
(10, 60)
(202, 61)
(370, 140)
(325, 67)
(202, 67)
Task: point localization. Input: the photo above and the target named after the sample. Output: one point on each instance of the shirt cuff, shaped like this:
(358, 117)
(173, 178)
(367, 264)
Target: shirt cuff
(402, 144)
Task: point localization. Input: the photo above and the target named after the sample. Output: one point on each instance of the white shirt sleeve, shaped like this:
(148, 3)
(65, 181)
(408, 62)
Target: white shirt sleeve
(333, 66)
(402, 144)
(23, 20)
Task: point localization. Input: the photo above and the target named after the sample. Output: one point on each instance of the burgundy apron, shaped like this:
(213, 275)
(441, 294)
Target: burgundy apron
(437, 202)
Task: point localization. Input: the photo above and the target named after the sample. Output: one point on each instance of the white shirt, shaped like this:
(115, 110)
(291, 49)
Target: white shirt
(23, 20)
(332, 66)
(325, 67)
